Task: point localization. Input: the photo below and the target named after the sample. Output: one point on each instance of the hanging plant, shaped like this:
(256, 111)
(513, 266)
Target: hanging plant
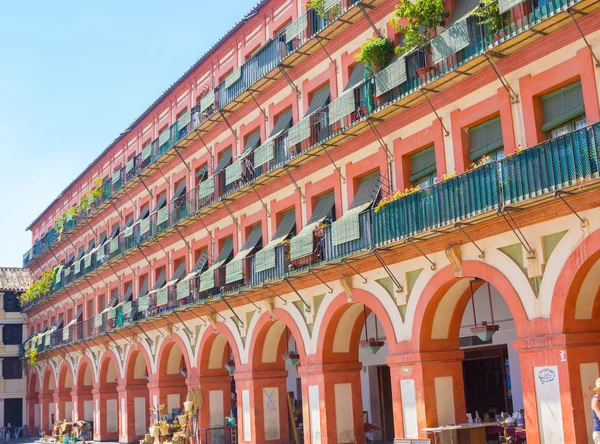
(39, 288)
(421, 17)
(376, 53)
(31, 355)
(489, 13)
(319, 7)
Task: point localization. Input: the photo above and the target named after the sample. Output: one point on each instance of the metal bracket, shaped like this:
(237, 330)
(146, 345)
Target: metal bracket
(187, 244)
(129, 265)
(205, 227)
(379, 138)
(434, 111)
(145, 257)
(321, 280)
(232, 310)
(345, 262)
(209, 153)
(287, 170)
(324, 146)
(249, 300)
(258, 105)
(324, 49)
(412, 242)
(289, 80)
(213, 309)
(306, 306)
(362, 8)
(186, 330)
(182, 159)
(146, 187)
(459, 225)
(117, 346)
(120, 334)
(559, 194)
(90, 225)
(514, 97)
(112, 204)
(517, 232)
(264, 285)
(259, 198)
(149, 341)
(388, 271)
(583, 36)
(164, 251)
(228, 124)
(230, 213)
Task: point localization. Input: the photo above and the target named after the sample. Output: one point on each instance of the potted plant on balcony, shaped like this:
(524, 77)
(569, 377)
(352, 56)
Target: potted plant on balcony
(422, 17)
(376, 53)
(319, 7)
(488, 12)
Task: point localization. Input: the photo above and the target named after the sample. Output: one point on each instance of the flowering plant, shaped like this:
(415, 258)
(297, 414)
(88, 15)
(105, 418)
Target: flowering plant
(518, 150)
(446, 176)
(396, 195)
(484, 159)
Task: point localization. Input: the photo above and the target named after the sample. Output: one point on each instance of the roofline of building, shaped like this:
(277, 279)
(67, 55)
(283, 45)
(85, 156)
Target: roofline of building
(168, 91)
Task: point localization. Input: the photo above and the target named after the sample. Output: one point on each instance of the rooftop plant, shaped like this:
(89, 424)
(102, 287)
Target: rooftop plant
(39, 288)
(376, 53)
(421, 18)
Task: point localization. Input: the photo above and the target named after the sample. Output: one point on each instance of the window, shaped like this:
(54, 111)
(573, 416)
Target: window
(563, 110)
(12, 368)
(423, 172)
(486, 140)
(201, 174)
(11, 303)
(12, 334)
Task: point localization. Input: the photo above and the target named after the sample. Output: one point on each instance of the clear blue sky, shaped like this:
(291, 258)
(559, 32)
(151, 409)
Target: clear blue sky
(74, 75)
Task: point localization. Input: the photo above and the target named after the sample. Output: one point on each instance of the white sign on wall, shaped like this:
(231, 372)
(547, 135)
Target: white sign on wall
(409, 408)
(547, 390)
(315, 414)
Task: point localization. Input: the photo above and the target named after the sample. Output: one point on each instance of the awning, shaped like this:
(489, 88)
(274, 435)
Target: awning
(102, 239)
(319, 99)
(202, 172)
(70, 260)
(144, 288)
(162, 200)
(356, 77)
(233, 270)
(368, 189)
(91, 246)
(160, 280)
(66, 329)
(80, 253)
(302, 244)
(207, 279)
(179, 273)
(129, 221)
(224, 161)
(252, 141)
(115, 230)
(283, 123)
(78, 314)
(265, 258)
(128, 292)
(145, 211)
(462, 8)
(128, 231)
(180, 190)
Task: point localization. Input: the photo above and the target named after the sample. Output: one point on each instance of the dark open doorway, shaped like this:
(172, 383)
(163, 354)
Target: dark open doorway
(485, 379)
(385, 404)
(13, 412)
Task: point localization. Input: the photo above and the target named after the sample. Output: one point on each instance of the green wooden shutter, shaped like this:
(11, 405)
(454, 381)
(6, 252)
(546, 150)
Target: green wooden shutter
(485, 138)
(559, 107)
(422, 164)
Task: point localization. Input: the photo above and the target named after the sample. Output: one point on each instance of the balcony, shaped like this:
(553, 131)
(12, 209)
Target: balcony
(480, 186)
(571, 161)
(263, 69)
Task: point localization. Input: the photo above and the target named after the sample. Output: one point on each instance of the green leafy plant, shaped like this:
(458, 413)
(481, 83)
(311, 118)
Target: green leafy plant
(39, 288)
(31, 354)
(376, 53)
(421, 18)
(489, 13)
(87, 201)
(319, 7)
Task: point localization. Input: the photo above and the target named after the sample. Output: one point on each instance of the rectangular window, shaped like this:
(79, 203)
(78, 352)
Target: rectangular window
(12, 334)
(423, 172)
(485, 139)
(12, 368)
(11, 303)
(563, 110)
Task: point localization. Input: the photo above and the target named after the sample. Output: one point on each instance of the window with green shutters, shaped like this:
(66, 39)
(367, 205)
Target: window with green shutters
(422, 168)
(485, 139)
(563, 110)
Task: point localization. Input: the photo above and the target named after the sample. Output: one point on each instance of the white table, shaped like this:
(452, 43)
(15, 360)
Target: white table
(437, 431)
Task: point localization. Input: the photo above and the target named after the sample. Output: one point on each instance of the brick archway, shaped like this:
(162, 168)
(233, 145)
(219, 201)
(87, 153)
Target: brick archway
(134, 393)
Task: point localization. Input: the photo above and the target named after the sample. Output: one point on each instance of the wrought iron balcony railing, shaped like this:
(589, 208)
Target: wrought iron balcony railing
(479, 186)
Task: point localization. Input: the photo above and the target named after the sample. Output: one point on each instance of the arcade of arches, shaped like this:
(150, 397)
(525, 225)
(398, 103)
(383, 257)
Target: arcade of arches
(502, 333)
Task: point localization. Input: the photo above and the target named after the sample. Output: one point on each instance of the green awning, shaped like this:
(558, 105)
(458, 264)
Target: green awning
(485, 138)
(296, 28)
(164, 137)
(233, 270)
(207, 279)
(233, 172)
(207, 100)
(450, 41)
(562, 106)
(265, 258)
(342, 106)
(144, 288)
(264, 153)
(357, 76)
(184, 120)
(318, 100)
(302, 244)
(233, 78)
(299, 132)
(422, 164)
(391, 76)
(206, 188)
(252, 141)
(224, 161)
(283, 123)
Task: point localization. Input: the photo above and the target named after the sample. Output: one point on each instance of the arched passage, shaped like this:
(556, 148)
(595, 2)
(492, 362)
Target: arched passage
(574, 346)
(135, 395)
(350, 375)
(83, 403)
(276, 350)
(106, 405)
(216, 383)
(168, 386)
(464, 354)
